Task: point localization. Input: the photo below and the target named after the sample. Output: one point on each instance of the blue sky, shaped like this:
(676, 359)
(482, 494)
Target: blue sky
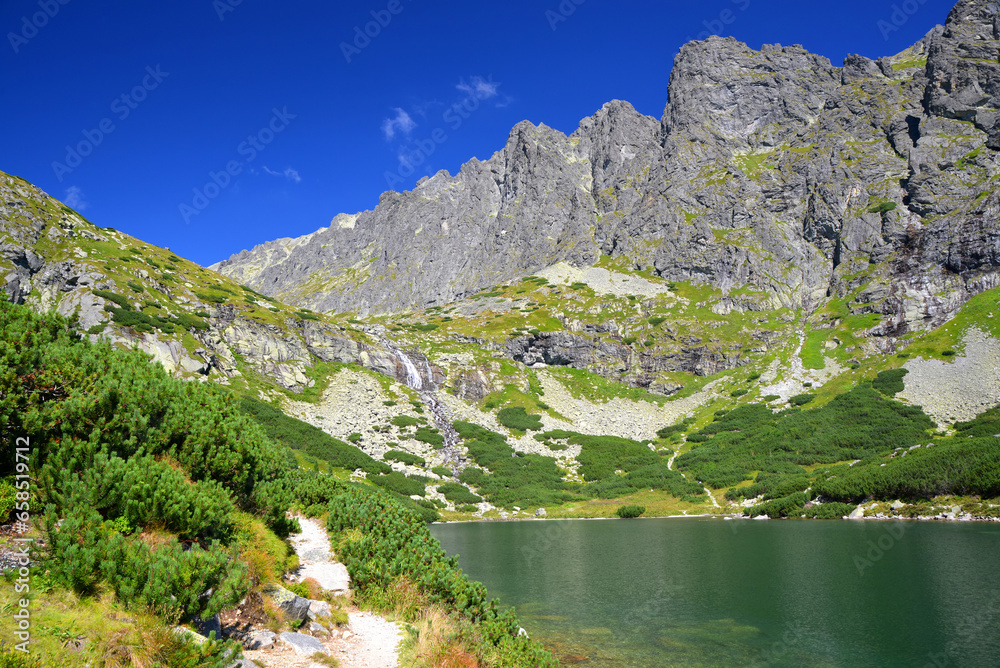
(209, 126)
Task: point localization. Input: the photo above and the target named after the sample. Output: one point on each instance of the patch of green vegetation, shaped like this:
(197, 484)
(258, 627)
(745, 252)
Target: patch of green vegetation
(629, 512)
(801, 399)
(882, 207)
(812, 349)
(404, 421)
(518, 419)
(458, 493)
(907, 64)
(890, 383)
(514, 479)
(429, 436)
(858, 424)
(405, 457)
(403, 485)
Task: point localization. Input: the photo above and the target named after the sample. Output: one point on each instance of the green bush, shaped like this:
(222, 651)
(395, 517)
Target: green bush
(405, 458)
(403, 421)
(187, 322)
(657, 321)
(459, 494)
(801, 399)
(380, 542)
(354, 438)
(430, 436)
(399, 483)
(890, 383)
(8, 497)
(112, 297)
(215, 299)
(856, 425)
(514, 479)
(442, 471)
(628, 512)
(738, 393)
(519, 419)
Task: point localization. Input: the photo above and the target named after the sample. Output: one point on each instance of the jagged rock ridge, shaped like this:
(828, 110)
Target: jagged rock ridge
(771, 169)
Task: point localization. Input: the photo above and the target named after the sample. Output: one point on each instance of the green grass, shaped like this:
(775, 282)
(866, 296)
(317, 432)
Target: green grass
(812, 354)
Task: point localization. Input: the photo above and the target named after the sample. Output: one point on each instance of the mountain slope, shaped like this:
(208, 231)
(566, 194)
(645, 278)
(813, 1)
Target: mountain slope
(196, 322)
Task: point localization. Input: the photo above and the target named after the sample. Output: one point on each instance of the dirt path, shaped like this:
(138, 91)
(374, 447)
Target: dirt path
(368, 641)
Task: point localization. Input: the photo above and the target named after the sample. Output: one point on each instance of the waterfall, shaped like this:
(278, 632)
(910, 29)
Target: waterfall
(453, 455)
(413, 378)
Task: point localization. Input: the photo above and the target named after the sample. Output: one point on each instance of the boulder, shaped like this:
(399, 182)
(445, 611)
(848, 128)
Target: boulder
(318, 629)
(319, 610)
(207, 627)
(260, 640)
(303, 644)
(295, 607)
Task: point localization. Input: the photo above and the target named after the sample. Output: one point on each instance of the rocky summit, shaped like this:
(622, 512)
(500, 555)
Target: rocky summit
(770, 170)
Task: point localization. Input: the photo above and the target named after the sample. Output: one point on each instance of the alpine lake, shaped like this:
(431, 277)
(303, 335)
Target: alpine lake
(686, 592)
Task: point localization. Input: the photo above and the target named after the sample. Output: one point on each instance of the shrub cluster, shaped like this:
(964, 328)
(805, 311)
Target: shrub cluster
(855, 425)
(380, 543)
(628, 512)
(405, 457)
(519, 419)
(458, 493)
(514, 479)
(128, 446)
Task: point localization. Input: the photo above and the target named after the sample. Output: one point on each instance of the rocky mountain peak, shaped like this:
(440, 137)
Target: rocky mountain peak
(770, 171)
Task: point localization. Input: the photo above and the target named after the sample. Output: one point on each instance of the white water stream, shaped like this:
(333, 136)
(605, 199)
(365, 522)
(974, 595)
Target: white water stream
(425, 388)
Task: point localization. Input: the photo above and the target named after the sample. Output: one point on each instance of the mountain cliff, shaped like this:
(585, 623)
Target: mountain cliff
(769, 170)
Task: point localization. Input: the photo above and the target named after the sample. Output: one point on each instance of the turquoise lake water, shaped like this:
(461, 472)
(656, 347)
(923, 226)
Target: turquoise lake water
(705, 592)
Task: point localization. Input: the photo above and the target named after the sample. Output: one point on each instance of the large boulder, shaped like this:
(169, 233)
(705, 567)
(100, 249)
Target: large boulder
(303, 644)
(293, 606)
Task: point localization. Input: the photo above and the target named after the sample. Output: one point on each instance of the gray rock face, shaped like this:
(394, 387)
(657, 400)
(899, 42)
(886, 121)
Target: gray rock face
(772, 169)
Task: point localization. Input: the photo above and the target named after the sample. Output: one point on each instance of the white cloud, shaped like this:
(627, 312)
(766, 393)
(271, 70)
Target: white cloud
(74, 199)
(484, 89)
(289, 173)
(401, 123)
